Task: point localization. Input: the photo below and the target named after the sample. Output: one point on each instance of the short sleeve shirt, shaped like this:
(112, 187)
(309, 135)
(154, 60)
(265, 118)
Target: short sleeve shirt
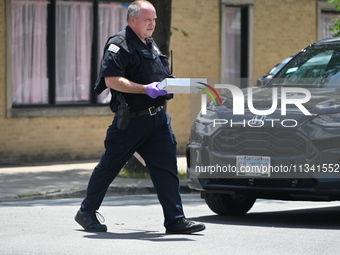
(125, 55)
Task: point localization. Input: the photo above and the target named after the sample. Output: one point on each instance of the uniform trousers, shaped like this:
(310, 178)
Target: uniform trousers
(153, 139)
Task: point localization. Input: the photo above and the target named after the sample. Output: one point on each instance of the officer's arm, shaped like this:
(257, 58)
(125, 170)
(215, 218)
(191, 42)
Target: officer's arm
(124, 85)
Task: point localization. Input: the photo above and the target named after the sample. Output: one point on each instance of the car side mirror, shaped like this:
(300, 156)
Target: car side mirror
(263, 80)
(259, 81)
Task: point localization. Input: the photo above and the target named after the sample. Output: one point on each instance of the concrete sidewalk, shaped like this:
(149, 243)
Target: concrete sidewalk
(66, 180)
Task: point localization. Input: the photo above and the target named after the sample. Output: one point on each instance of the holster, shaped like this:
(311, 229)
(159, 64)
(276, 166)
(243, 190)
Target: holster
(122, 113)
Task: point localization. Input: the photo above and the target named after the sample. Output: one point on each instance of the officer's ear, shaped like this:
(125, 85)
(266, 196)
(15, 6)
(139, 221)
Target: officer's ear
(132, 21)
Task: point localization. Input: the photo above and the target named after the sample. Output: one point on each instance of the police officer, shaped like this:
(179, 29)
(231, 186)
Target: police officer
(131, 67)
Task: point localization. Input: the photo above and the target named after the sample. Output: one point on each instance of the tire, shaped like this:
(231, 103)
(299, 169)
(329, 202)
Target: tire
(226, 204)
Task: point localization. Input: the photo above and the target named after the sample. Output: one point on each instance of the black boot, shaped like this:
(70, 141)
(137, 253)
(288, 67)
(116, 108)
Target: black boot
(184, 226)
(89, 221)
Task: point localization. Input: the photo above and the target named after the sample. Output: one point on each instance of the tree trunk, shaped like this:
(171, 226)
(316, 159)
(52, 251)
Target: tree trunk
(163, 24)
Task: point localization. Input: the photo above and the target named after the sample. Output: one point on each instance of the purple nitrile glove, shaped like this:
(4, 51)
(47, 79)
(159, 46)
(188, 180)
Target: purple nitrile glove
(153, 91)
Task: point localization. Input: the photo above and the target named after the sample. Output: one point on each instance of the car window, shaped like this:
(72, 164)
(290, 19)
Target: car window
(312, 68)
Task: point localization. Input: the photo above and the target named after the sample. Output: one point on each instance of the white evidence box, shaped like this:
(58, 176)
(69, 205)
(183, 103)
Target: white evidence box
(182, 85)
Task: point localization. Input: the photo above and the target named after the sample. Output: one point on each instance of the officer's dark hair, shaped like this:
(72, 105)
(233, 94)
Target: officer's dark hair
(134, 8)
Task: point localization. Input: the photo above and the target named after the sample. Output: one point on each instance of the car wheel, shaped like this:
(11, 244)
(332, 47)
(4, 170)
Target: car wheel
(226, 204)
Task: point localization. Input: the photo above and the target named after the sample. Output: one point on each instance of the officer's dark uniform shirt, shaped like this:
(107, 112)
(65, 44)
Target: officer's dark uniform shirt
(125, 55)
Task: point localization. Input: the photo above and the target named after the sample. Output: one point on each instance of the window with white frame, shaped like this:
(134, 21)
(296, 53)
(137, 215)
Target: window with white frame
(56, 48)
(236, 37)
(236, 49)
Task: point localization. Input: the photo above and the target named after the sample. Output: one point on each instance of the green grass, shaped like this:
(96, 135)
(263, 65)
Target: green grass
(29, 195)
(38, 194)
(124, 173)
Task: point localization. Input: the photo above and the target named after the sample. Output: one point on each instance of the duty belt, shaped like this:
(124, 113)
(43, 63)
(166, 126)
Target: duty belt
(153, 110)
